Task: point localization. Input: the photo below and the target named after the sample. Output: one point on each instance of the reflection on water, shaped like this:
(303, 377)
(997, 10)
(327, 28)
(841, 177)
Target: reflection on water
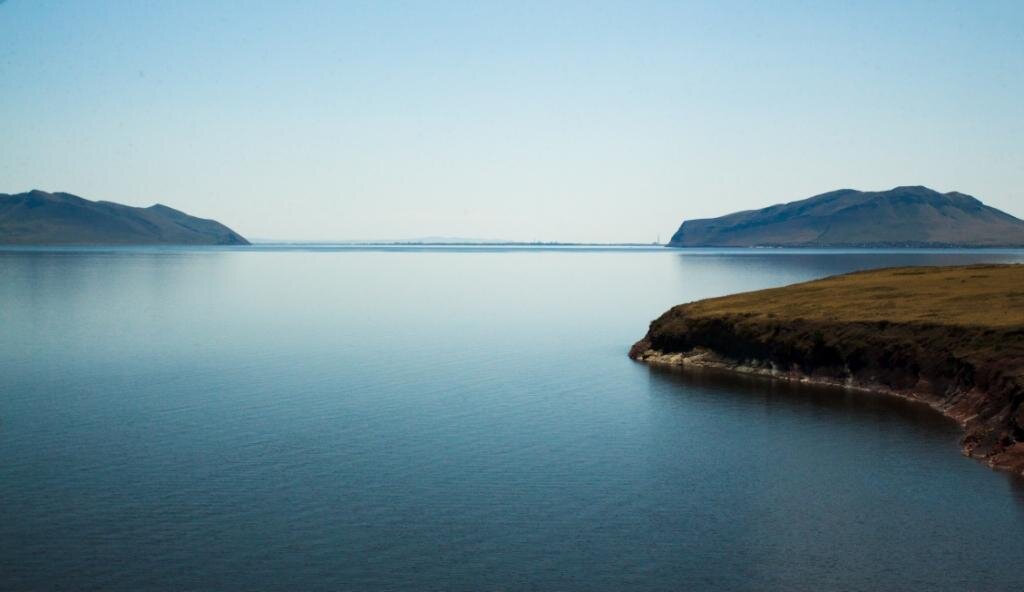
(741, 270)
(812, 398)
(384, 418)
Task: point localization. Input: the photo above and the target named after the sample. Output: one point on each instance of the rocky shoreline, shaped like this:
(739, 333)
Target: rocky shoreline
(972, 373)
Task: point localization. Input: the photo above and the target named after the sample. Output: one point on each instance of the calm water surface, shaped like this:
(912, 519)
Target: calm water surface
(453, 419)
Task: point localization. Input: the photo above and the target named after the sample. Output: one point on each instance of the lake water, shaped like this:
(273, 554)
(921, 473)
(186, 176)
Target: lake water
(322, 418)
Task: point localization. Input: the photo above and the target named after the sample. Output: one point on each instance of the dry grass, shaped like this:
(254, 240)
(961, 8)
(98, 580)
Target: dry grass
(949, 336)
(977, 296)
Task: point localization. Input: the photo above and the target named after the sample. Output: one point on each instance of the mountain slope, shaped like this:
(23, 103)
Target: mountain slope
(40, 218)
(901, 217)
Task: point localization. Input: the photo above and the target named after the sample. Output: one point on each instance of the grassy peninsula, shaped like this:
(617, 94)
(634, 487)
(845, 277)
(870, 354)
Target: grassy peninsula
(951, 337)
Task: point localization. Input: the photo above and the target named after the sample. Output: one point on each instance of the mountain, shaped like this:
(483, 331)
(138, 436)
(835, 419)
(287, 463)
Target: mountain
(40, 218)
(901, 217)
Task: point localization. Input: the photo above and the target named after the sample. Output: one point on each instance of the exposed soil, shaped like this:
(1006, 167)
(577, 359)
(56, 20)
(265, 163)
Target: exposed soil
(964, 356)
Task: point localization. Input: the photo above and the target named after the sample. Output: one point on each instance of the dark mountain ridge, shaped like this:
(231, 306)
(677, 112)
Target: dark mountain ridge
(41, 218)
(910, 216)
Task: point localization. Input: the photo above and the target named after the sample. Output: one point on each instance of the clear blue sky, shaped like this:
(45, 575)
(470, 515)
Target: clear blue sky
(551, 120)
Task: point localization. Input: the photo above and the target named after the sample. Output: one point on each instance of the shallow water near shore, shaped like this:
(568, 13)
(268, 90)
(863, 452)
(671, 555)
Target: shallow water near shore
(454, 418)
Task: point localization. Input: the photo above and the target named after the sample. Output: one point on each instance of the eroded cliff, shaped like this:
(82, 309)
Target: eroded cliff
(951, 337)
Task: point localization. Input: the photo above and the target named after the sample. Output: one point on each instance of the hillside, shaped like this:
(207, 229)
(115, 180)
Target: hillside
(40, 218)
(901, 217)
(952, 337)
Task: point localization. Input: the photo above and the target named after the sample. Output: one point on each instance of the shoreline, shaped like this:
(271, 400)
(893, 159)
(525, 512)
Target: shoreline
(949, 337)
(1010, 460)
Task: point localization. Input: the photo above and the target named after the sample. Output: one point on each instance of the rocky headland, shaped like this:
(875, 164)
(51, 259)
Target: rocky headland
(950, 337)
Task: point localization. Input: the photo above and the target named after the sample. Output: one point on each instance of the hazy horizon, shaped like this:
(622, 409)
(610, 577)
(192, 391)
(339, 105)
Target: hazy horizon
(578, 122)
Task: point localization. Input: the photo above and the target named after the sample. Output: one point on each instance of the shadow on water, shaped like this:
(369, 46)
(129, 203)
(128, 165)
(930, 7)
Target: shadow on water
(862, 407)
(723, 383)
(835, 262)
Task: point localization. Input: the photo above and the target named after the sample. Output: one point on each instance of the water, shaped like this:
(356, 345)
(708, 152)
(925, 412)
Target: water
(323, 418)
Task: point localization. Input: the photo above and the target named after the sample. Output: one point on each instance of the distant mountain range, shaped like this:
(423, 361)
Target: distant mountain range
(901, 217)
(41, 218)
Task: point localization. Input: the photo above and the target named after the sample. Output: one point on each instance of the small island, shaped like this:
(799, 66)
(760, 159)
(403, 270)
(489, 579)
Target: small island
(951, 337)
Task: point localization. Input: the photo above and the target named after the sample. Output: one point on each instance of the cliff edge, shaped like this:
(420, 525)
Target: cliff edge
(951, 337)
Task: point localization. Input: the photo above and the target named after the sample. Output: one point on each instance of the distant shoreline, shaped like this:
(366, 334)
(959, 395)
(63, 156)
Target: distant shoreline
(538, 246)
(666, 246)
(400, 243)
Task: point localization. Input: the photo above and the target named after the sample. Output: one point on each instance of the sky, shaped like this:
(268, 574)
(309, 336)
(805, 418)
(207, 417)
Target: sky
(588, 121)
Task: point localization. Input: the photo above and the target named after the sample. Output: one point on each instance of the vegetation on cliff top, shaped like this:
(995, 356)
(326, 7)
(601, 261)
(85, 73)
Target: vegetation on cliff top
(952, 337)
(977, 296)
